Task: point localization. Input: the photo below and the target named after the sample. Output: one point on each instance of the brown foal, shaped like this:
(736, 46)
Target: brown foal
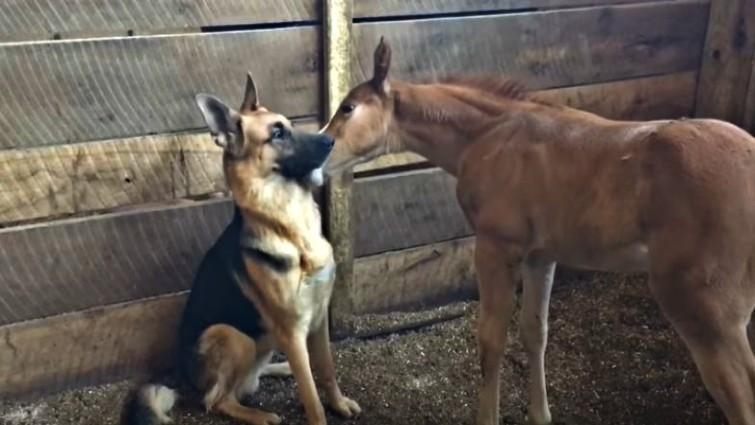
(543, 183)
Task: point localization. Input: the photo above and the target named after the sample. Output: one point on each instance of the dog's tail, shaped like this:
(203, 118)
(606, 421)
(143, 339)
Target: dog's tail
(149, 405)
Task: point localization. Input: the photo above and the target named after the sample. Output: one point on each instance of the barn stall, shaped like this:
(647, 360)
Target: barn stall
(112, 192)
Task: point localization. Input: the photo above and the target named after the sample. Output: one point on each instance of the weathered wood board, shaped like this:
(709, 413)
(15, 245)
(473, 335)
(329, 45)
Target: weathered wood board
(403, 210)
(74, 264)
(45, 19)
(727, 61)
(580, 46)
(665, 96)
(73, 91)
(749, 122)
(415, 278)
(70, 179)
(88, 347)
(394, 8)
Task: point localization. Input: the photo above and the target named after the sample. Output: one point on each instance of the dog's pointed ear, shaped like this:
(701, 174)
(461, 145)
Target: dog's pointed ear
(251, 101)
(223, 122)
(382, 66)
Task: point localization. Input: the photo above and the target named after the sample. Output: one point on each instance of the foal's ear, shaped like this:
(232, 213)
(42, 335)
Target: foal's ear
(251, 101)
(382, 65)
(224, 123)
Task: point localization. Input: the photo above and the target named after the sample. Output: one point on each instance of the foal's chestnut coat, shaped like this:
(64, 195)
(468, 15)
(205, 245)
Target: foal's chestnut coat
(543, 183)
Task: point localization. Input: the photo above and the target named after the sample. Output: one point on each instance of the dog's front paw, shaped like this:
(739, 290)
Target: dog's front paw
(270, 419)
(346, 407)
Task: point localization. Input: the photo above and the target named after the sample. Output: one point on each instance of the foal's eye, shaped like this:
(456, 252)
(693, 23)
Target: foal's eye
(347, 108)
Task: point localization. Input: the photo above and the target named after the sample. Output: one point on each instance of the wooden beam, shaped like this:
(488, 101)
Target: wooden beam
(88, 347)
(413, 279)
(547, 49)
(46, 19)
(337, 18)
(69, 265)
(74, 91)
(396, 8)
(407, 209)
(664, 96)
(727, 61)
(61, 180)
(749, 120)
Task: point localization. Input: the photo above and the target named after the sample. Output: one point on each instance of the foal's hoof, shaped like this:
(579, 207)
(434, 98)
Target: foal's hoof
(539, 420)
(346, 407)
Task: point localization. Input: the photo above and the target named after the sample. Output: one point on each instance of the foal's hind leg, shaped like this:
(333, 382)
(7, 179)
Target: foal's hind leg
(496, 267)
(537, 278)
(713, 325)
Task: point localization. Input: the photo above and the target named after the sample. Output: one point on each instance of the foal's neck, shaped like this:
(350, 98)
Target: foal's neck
(440, 121)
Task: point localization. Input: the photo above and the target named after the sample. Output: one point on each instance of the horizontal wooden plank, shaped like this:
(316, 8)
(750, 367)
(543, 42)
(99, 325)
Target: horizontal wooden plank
(548, 49)
(664, 96)
(395, 8)
(415, 278)
(74, 91)
(74, 264)
(70, 179)
(403, 210)
(88, 347)
(44, 19)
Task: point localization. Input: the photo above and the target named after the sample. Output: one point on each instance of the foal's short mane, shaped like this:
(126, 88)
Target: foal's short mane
(502, 87)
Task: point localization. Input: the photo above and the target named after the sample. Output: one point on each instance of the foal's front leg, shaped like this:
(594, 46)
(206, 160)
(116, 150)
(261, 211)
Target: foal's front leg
(537, 275)
(496, 265)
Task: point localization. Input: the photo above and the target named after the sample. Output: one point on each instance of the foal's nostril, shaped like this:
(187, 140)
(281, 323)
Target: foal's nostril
(329, 141)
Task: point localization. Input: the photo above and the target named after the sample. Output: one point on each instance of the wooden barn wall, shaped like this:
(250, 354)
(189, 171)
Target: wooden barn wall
(726, 88)
(108, 183)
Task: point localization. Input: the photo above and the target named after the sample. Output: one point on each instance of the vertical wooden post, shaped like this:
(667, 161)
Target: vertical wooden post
(337, 18)
(749, 120)
(727, 61)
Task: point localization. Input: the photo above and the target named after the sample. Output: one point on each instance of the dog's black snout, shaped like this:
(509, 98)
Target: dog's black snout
(328, 141)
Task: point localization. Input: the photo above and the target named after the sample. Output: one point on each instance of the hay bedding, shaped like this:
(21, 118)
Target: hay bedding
(612, 359)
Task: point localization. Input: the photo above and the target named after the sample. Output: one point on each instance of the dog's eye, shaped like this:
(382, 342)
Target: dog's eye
(278, 131)
(347, 108)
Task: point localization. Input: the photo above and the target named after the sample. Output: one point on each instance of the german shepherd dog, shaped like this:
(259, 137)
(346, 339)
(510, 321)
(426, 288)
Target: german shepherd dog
(266, 283)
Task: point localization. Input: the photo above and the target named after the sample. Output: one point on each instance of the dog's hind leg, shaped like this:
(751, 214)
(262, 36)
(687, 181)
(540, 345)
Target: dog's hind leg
(537, 278)
(228, 359)
(231, 407)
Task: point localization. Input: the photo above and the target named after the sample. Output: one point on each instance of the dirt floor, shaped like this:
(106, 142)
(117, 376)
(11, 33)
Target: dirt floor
(612, 360)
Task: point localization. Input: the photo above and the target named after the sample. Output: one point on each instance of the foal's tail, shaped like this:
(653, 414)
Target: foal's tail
(149, 405)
